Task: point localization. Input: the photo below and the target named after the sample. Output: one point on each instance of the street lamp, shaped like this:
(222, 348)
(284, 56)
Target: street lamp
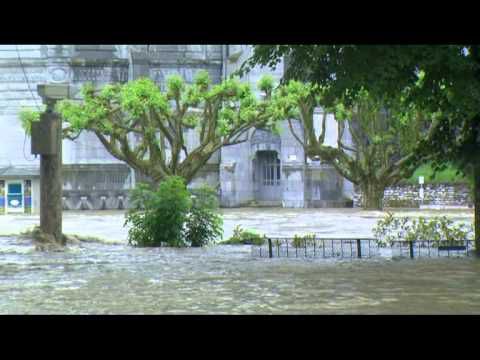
(53, 92)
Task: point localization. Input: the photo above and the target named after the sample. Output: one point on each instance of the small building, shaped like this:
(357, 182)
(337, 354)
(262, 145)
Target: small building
(19, 190)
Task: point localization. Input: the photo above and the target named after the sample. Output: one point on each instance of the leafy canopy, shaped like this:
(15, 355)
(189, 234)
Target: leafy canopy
(146, 127)
(440, 79)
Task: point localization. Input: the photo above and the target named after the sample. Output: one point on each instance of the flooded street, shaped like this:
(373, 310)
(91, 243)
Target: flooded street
(108, 225)
(104, 278)
(115, 279)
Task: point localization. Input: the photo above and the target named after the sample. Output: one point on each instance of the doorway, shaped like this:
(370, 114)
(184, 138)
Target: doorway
(267, 177)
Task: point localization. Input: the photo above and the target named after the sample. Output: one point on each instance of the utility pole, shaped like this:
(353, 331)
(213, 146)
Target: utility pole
(47, 142)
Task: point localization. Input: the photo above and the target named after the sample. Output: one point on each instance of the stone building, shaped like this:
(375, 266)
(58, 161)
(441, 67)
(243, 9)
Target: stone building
(266, 170)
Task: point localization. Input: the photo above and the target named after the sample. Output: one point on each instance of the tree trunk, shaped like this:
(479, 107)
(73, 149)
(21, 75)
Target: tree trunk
(372, 194)
(476, 204)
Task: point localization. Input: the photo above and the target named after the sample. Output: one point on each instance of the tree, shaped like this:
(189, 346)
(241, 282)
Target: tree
(449, 86)
(381, 152)
(145, 127)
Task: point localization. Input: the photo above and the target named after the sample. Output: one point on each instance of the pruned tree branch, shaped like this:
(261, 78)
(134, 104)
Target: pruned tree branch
(160, 149)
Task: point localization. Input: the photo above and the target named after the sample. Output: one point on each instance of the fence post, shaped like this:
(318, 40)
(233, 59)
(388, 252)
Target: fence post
(411, 249)
(270, 252)
(359, 249)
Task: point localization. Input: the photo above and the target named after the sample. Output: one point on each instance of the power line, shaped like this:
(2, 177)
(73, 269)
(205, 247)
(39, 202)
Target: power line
(24, 154)
(26, 78)
(33, 97)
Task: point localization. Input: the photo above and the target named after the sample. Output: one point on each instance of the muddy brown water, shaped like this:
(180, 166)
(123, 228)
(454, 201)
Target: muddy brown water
(97, 278)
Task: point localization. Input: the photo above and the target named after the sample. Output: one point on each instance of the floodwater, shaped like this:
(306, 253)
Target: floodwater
(101, 278)
(275, 222)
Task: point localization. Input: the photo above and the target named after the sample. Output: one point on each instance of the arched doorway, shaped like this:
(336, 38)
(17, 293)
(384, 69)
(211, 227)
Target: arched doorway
(267, 177)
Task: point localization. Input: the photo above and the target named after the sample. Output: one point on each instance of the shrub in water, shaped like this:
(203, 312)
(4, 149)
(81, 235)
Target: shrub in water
(437, 229)
(245, 237)
(302, 241)
(204, 223)
(157, 217)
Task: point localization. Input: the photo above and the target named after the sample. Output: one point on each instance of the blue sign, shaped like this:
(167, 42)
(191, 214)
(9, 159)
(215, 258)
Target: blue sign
(14, 196)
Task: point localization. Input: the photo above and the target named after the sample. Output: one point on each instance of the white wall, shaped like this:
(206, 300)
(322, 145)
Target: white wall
(16, 92)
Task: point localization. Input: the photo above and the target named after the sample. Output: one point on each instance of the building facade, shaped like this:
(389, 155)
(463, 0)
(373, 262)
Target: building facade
(265, 170)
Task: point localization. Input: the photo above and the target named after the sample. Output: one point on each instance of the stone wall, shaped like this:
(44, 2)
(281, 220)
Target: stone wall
(95, 186)
(434, 194)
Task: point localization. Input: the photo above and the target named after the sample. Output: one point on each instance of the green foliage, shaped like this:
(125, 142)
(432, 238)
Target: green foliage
(175, 85)
(138, 97)
(204, 223)
(158, 216)
(383, 137)
(221, 115)
(440, 80)
(385, 71)
(437, 79)
(449, 175)
(302, 241)
(266, 84)
(245, 237)
(27, 116)
(391, 228)
(202, 79)
(172, 216)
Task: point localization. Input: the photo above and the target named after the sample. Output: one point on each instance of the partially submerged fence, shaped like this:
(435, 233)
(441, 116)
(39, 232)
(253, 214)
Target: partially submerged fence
(359, 248)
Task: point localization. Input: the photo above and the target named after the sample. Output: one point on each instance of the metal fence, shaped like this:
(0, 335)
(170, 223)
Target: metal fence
(359, 248)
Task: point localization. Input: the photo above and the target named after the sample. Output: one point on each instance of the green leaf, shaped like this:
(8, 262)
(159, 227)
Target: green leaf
(27, 116)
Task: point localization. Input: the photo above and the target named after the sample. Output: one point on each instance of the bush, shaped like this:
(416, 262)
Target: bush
(204, 223)
(301, 241)
(437, 229)
(173, 216)
(158, 216)
(245, 237)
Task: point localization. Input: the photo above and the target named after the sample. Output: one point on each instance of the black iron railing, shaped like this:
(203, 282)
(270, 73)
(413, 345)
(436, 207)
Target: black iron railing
(358, 248)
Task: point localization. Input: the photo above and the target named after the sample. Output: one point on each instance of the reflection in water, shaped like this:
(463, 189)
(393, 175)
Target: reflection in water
(97, 278)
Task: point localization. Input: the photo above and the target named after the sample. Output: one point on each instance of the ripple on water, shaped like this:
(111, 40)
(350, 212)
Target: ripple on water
(101, 279)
